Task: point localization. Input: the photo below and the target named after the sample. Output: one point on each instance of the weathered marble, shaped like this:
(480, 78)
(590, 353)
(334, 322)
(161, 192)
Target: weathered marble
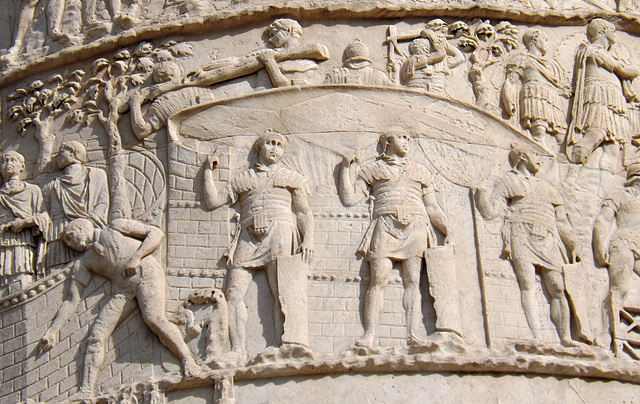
(319, 201)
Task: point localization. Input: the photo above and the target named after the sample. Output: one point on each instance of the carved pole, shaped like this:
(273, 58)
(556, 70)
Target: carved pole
(392, 46)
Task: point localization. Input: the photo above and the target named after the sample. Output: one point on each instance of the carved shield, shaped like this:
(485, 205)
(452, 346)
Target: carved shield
(441, 272)
(575, 280)
(292, 294)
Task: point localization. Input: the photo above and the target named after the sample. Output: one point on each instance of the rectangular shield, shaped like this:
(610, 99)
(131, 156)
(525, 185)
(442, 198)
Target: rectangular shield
(576, 282)
(443, 287)
(292, 294)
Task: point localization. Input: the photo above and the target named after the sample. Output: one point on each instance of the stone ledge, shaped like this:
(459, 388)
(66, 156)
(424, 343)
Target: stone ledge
(587, 363)
(307, 11)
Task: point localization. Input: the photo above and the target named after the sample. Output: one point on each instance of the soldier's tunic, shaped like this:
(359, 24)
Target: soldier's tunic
(626, 204)
(539, 96)
(85, 196)
(268, 227)
(116, 251)
(358, 73)
(430, 77)
(600, 101)
(18, 250)
(400, 227)
(530, 233)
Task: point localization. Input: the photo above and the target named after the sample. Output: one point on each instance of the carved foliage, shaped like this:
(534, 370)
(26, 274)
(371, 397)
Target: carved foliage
(39, 104)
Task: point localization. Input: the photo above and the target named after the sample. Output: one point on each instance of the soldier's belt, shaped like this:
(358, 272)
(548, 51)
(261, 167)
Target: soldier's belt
(260, 219)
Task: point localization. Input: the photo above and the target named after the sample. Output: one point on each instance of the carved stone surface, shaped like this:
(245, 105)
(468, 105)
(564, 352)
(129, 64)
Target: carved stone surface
(227, 202)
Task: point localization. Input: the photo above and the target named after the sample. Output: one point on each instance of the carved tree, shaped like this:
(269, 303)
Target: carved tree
(106, 95)
(38, 105)
(488, 45)
(484, 44)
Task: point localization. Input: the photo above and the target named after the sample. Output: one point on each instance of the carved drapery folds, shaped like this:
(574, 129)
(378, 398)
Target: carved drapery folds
(317, 198)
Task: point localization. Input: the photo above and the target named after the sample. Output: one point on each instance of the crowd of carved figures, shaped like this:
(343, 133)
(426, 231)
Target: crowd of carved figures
(72, 23)
(81, 219)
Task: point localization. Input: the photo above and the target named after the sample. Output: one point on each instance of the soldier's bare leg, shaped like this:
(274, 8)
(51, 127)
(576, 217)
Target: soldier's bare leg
(93, 27)
(278, 316)
(89, 10)
(526, 276)
(21, 27)
(540, 132)
(116, 8)
(238, 281)
(117, 307)
(55, 12)
(373, 300)
(151, 296)
(583, 149)
(622, 262)
(612, 157)
(560, 314)
(411, 299)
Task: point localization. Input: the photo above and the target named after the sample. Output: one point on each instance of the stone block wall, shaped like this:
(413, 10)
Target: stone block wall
(27, 372)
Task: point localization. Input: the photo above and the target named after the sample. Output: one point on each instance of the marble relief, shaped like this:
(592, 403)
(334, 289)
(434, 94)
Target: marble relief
(304, 197)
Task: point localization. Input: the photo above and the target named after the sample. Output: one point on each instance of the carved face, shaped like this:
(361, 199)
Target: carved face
(531, 161)
(611, 36)
(65, 157)
(279, 37)
(271, 150)
(398, 143)
(11, 165)
(79, 240)
(541, 42)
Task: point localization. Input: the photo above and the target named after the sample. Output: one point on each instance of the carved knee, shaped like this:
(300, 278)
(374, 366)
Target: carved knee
(234, 296)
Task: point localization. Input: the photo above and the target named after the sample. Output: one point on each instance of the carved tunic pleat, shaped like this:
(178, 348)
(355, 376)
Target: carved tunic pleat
(530, 233)
(365, 76)
(83, 196)
(626, 205)
(540, 101)
(18, 250)
(400, 228)
(267, 227)
(606, 109)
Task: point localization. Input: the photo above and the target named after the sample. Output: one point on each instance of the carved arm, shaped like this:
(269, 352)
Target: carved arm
(489, 203)
(151, 238)
(567, 234)
(605, 60)
(348, 188)
(278, 79)
(509, 93)
(213, 199)
(306, 224)
(436, 214)
(603, 229)
(141, 127)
